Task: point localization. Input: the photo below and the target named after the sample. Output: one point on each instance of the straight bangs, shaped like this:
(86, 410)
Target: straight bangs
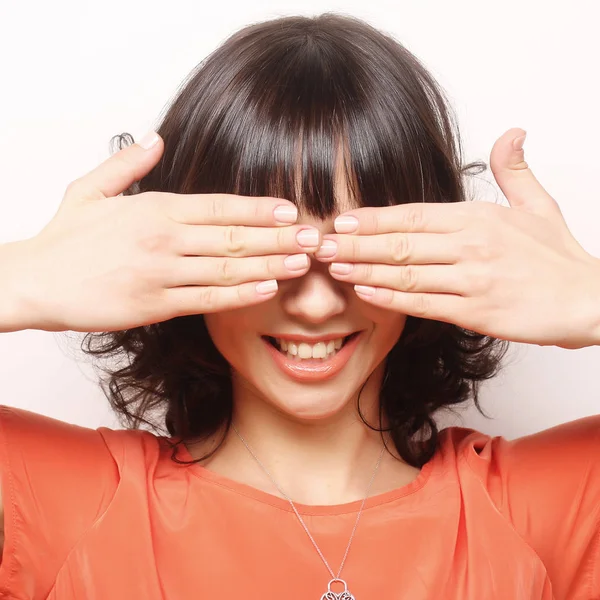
(296, 107)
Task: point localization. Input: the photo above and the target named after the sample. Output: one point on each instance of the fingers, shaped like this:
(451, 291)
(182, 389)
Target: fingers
(438, 307)
(393, 248)
(194, 300)
(116, 174)
(409, 278)
(432, 217)
(240, 241)
(229, 209)
(226, 271)
(515, 178)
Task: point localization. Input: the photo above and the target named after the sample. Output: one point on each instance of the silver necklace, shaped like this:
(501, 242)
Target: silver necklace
(328, 595)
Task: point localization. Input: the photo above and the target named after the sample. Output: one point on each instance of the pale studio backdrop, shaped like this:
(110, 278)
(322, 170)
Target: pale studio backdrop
(73, 74)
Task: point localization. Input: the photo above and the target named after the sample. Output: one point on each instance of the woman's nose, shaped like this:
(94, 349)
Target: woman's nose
(315, 297)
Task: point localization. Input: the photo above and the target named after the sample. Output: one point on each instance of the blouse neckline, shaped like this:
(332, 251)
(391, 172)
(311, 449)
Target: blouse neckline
(426, 474)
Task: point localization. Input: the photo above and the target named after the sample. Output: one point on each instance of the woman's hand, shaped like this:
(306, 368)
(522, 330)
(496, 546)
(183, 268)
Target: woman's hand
(513, 273)
(107, 262)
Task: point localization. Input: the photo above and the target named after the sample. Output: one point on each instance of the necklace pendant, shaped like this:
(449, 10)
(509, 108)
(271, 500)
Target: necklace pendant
(343, 595)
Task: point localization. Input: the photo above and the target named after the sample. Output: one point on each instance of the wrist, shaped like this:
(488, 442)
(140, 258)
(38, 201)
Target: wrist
(14, 311)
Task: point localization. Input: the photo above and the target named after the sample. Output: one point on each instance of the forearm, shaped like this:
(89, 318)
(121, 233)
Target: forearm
(595, 317)
(13, 303)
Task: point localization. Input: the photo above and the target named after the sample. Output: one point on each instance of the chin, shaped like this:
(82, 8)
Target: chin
(310, 404)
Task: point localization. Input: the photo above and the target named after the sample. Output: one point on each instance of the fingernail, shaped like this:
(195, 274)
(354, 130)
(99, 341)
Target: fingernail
(365, 290)
(149, 140)
(518, 142)
(285, 214)
(341, 268)
(346, 224)
(295, 262)
(308, 238)
(327, 250)
(267, 287)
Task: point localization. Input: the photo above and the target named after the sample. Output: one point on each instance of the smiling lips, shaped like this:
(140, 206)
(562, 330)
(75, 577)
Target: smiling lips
(323, 363)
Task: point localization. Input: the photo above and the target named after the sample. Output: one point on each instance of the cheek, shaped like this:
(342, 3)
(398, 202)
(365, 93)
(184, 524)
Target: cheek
(222, 331)
(389, 325)
(232, 331)
(384, 318)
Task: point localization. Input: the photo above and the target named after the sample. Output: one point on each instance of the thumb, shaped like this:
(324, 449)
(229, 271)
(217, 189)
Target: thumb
(119, 171)
(515, 178)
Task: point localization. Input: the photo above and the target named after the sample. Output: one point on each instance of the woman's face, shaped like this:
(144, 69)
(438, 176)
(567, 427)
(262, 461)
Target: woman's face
(314, 305)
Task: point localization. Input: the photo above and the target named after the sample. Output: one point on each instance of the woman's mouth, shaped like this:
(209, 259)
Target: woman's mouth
(312, 362)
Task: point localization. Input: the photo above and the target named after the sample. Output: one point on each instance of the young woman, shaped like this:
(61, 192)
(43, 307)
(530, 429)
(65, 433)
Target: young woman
(291, 284)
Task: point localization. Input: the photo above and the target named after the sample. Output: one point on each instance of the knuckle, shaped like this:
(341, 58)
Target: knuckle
(413, 219)
(282, 236)
(373, 221)
(242, 295)
(400, 248)
(478, 281)
(155, 241)
(226, 271)
(273, 267)
(257, 210)
(408, 278)
(421, 306)
(234, 240)
(480, 247)
(207, 297)
(354, 249)
(216, 209)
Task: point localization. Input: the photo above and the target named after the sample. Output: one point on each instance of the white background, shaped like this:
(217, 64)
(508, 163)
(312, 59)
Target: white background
(73, 74)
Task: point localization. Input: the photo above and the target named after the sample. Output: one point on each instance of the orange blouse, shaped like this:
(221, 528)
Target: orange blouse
(107, 515)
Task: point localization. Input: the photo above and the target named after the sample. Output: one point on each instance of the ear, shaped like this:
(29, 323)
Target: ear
(515, 178)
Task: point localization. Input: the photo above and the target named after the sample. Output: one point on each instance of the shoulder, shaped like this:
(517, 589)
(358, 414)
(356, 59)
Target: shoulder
(57, 480)
(571, 449)
(48, 441)
(553, 463)
(546, 485)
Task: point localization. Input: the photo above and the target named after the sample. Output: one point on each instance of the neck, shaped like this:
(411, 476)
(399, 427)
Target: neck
(318, 461)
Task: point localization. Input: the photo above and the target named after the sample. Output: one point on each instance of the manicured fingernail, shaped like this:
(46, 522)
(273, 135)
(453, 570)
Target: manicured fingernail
(327, 250)
(365, 290)
(346, 224)
(149, 140)
(518, 142)
(267, 287)
(295, 262)
(341, 268)
(286, 214)
(308, 237)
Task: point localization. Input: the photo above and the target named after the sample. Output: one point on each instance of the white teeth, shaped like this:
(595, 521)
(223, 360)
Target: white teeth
(303, 350)
(319, 350)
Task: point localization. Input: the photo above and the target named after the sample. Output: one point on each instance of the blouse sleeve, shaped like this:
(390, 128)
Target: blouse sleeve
(57, 479)
(548, 486)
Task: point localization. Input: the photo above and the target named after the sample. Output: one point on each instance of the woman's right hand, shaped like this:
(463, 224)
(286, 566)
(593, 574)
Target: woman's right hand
(107, 262)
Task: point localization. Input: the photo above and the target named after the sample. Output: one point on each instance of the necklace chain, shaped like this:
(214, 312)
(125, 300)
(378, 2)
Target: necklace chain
(333, 576)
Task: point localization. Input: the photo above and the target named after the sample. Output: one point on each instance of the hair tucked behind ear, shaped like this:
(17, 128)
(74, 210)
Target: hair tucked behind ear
(271, 91)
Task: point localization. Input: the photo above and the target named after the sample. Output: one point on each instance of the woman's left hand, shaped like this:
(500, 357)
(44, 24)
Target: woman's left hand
(513, 273)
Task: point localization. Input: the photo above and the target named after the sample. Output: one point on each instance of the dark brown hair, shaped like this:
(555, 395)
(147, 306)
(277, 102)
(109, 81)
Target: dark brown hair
(235, 127)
